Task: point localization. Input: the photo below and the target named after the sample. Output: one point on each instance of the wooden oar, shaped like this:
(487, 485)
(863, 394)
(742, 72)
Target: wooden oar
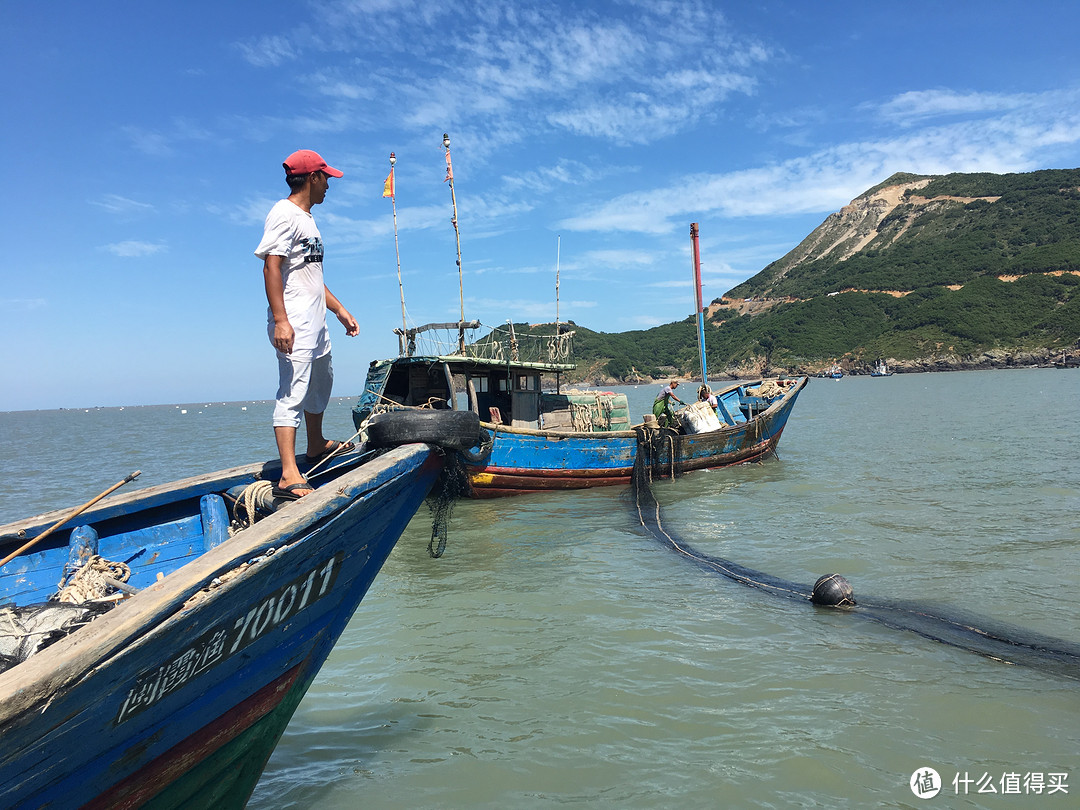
(66, 518)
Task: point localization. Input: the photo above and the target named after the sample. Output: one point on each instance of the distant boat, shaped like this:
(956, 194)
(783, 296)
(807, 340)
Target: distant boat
(835, 372)
(881, 370)
(177, 694)
(540, 437)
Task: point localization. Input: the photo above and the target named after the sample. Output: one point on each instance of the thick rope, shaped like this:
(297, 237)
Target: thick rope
(97, 579)
(249, 502)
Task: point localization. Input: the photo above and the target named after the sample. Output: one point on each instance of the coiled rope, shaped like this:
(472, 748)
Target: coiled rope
(249, 502)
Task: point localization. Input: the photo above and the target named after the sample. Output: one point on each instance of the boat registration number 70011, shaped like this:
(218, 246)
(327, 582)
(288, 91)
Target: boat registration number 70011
(227, 638)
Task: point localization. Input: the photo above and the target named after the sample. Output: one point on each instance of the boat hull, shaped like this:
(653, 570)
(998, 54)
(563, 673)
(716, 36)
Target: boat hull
(524, 461)
(177, 698)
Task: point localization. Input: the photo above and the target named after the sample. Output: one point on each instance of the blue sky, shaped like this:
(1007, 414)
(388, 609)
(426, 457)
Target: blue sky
(144, 147)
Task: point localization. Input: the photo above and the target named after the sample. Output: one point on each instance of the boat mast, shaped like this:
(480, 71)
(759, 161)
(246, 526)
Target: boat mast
(696, 256)
(457, 236)
(390, 191)
(558, 253)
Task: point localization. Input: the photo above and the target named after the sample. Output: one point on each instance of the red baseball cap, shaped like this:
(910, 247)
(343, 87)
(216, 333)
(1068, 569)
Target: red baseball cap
(305, 161)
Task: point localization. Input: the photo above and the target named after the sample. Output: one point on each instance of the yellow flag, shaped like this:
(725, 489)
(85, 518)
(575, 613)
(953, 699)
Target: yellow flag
(388, 186)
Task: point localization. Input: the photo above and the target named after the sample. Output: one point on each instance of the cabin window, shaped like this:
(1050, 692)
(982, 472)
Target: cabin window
(481, 384)
(526, 382)
(504, 384)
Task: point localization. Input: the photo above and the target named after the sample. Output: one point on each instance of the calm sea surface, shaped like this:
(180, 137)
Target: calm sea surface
(557, 655)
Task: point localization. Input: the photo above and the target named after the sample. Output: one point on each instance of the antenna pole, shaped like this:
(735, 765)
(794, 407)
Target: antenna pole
(558, 252)
(397, 250)
(457, 237)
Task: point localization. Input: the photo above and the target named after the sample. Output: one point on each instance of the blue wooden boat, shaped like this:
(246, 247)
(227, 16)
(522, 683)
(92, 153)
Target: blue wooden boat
(538, 437)
(176, 695)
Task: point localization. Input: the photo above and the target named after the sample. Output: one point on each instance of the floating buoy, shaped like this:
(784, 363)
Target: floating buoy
(833, 590)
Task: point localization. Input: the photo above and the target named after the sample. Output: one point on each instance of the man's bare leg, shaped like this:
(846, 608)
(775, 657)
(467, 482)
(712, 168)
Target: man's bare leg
(317, 444)
(290, 473)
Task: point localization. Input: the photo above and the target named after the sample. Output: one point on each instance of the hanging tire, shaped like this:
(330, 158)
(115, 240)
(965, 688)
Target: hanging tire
(454, 430)
(481, 455)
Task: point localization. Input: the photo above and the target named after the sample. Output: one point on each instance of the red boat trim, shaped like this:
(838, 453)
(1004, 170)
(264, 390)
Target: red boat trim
(158, 774)
(533, 472)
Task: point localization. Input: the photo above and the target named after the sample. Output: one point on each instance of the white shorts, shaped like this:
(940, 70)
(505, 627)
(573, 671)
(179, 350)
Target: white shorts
(302, 386)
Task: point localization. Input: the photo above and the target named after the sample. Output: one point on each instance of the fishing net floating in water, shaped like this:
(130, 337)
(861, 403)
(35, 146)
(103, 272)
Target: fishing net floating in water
(1012, 645)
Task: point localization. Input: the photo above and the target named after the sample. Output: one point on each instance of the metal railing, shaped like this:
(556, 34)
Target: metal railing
(501, 344)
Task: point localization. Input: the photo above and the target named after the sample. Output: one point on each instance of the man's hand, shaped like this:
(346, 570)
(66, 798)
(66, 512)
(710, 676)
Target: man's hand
(283, 337)
(352, 328)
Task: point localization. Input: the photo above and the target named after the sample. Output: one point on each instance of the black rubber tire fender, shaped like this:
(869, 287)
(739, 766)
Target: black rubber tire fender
(454, 430)
(480, 456)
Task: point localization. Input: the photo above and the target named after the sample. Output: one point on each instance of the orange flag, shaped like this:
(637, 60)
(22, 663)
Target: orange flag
(449, 168)
(388, 186)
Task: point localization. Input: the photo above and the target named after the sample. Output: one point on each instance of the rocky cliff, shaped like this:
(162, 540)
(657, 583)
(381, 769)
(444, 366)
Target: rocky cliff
(873, 221)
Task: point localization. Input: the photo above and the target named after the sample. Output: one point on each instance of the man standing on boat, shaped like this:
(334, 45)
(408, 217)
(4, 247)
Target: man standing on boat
(292, 254)
(662, 405)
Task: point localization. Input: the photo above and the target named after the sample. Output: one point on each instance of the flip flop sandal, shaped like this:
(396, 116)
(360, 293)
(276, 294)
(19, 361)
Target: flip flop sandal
(289, 492)
(336, 448)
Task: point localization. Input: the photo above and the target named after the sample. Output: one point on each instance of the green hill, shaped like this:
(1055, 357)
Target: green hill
(929, 272)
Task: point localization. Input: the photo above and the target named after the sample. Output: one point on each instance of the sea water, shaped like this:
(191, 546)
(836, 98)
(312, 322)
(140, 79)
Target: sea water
(557, 655)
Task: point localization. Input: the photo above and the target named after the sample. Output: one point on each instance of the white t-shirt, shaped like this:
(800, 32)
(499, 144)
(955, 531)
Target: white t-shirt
(290, 232)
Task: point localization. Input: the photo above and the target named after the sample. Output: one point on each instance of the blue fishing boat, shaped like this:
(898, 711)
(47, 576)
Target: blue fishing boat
(537, 435)
(193, 617)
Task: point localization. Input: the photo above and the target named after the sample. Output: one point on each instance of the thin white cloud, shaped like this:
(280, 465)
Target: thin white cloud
(248, 213)
(921, 104)
(630, 80)
(268, 51)
(133, 249)
(148, 142)
(21, 304)
(618, 258)
(644, 321)
(678, 284)
(825, 180)
(115, 204)
(499, 309)
(542, 180)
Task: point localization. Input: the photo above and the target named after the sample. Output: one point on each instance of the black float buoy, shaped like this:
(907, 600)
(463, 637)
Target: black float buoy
(833, 590)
